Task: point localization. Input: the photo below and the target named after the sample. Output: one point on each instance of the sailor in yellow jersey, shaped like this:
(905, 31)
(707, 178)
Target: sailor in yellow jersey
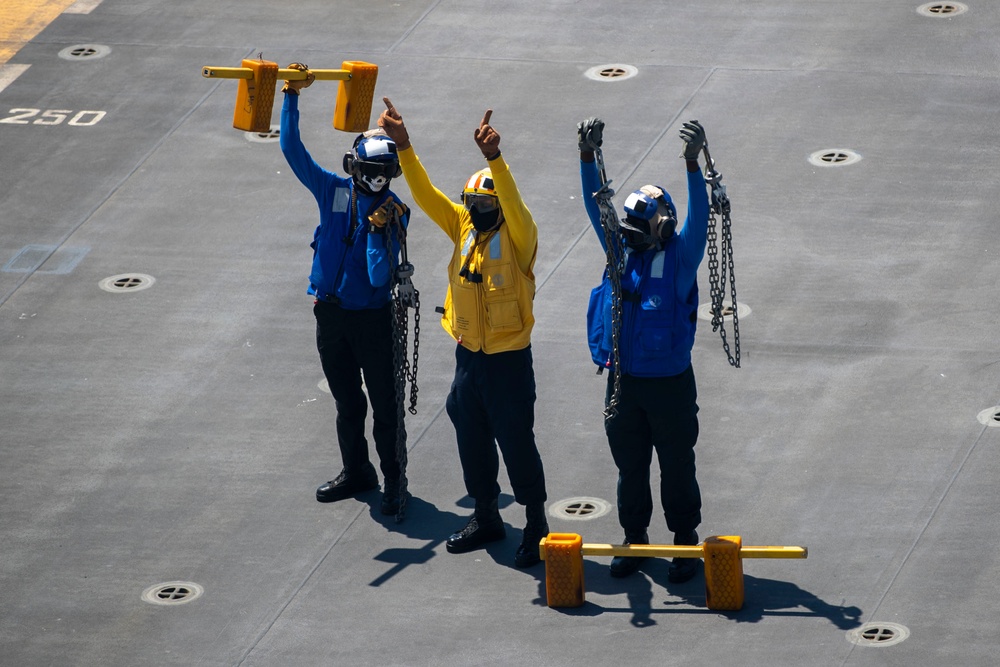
(488, 312)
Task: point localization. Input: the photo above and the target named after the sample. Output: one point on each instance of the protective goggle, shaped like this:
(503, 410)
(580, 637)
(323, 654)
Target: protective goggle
(481, 203)
(375, 169)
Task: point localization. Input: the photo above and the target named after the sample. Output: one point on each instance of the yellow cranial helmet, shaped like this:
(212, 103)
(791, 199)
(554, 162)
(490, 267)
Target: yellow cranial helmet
(480, 183)
(479, 194)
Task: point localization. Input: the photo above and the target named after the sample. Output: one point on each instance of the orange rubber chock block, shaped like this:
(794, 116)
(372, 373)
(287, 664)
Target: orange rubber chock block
(563, 556)
(724, 573)
(354, 97)
(255, 97)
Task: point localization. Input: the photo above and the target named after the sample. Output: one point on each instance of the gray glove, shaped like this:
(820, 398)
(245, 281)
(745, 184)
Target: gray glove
(693, 136)
(590, 134)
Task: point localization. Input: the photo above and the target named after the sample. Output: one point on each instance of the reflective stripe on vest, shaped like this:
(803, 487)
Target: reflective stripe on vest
(656, 269)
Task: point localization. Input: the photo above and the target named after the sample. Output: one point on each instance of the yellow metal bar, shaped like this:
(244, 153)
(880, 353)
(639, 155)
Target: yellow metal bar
(321, 74)
(227, 73)
(682, 551)
(210, 72)
(643, 550)
(774, 552)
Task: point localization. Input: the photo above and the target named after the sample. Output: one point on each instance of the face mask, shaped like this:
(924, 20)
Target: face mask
(636, 234)
(370, 177)
(371, 185)
(484, 222)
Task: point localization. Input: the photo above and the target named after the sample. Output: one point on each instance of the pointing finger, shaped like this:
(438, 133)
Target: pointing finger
(390, 108)
(486, 117)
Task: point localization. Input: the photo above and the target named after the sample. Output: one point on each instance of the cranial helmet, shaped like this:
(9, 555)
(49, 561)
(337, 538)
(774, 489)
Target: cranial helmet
(372, 161)
(650, 217)
(481, 200)
(480, 183)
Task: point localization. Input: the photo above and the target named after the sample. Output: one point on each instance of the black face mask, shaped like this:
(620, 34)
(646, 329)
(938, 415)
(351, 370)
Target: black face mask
(636, 233)
(485, 222)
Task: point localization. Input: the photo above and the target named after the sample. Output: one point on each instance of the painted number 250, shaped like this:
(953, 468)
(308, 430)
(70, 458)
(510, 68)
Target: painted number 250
(53, 117)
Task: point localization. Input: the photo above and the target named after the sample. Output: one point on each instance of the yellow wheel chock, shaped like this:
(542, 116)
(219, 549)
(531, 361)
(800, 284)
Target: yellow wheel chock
(258, 79)
(563, 555)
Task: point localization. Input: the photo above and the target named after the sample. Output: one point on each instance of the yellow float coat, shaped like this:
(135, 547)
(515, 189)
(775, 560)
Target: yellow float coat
(493, 315)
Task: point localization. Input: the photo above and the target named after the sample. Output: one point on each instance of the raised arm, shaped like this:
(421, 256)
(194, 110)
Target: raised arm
(445, 213)
(694, 235)
(590, 135)
(520, 223)
(303, 166)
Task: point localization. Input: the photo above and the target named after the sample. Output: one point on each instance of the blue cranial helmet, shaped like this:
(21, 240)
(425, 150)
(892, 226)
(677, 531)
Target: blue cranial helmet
(372, 161)
(650, 217)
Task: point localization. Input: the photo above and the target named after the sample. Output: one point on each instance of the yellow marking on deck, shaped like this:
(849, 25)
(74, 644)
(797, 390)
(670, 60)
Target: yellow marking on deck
(21, 20)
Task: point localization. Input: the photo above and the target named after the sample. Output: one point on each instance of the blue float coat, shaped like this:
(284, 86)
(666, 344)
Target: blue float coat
(660, 309)
(350, 266)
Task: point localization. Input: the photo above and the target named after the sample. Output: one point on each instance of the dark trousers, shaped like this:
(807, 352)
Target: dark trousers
(491, 404)
(658, 414)
(352, 343)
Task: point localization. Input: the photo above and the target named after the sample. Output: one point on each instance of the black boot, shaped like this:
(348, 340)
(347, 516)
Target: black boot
(391, 497)
(534, 530)
(348, 483)
(484, 527)
(683, 569)
(622, 566)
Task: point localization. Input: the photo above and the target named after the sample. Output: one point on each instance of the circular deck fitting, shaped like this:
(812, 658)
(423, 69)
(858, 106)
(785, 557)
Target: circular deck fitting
(579, 509)
(172, 593)
(614, 72)
(742, 310)
(990, 417)
(878, 634)
(834, 157)
(268, 137)
(942, 9)
(127, 282)
(84, 52)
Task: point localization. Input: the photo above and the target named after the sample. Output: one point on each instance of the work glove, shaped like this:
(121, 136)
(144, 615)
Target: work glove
(380, 216)
(590, 134)
(296, 86)
(693, 136)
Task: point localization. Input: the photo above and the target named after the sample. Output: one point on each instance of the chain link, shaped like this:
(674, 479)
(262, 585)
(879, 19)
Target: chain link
(615, 252)
(720, 279)
(404, 297)
(399, 358)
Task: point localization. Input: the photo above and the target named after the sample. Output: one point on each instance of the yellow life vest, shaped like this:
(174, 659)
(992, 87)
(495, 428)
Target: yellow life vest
(488, 305)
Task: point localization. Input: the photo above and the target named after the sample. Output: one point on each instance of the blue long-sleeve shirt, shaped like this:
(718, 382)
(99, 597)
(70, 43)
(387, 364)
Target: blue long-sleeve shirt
(659, 288)
(350, 266)
(690, 239)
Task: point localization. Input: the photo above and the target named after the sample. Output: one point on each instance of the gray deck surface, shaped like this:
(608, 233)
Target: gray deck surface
(177, 433)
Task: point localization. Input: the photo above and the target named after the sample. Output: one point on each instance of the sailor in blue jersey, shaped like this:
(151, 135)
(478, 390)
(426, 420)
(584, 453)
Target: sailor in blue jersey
(354, 255)
(657, 406)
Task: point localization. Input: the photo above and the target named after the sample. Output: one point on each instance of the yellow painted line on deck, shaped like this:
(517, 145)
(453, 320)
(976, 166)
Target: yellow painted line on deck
(21, 20)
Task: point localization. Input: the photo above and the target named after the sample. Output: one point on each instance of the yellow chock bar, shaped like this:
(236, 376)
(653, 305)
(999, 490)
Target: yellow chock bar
(258, 79)
(563, 555)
